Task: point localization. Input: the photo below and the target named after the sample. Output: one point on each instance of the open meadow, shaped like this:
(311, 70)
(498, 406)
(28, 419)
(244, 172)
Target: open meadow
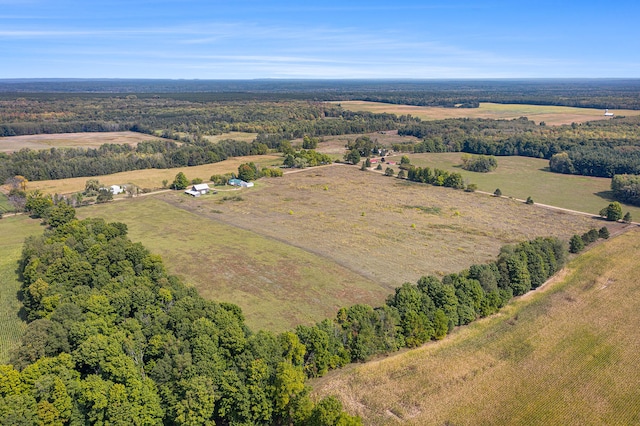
(388, 230)
(294, 249)
(521, 177)
(13, 231)
(5, 205)
(152, 178)
(564, 354)
(278, 286)
(238, 136)
(551, 115)
(72, 140)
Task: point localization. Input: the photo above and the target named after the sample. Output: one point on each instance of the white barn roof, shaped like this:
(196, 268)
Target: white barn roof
(200, 187)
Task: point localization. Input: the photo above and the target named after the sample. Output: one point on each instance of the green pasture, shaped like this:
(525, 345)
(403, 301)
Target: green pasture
(13, 231)
(5, 206)
(521, 177)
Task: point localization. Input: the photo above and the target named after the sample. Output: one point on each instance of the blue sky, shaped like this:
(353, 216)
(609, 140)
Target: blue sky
(211, 39)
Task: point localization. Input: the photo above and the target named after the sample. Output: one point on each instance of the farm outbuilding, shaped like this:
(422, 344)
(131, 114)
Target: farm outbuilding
(241, 183)
(202, 188)
(116, 189)
(198, 190)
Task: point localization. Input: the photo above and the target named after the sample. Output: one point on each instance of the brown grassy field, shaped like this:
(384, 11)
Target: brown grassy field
(387, 230)
(72, 140)
(563, 355)
(278, 286)
(152, 178)
(551, 115)
(238, 136)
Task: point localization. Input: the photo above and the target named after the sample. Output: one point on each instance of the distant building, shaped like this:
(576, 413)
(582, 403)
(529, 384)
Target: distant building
(607, 113)
(241, 183)
(202, 188)
(116, 189)
(198, 190)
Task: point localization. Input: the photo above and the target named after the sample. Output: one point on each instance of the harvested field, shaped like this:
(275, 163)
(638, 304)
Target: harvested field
(72, 140)
(385, 229)
(564, 355)
(152, 178)
(551, 115)
(238, 136)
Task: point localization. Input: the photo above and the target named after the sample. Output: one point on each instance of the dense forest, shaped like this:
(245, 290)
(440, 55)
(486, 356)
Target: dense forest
(113, 339)
(82, 113)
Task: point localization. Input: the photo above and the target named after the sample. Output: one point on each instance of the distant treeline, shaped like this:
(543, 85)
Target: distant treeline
(593, 93)
(292, 119)
(596, 148)
(62, 163)
(112, 337)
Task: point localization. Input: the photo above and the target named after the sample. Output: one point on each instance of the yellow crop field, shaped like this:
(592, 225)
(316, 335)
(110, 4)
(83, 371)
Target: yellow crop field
(551, 115)
(71, 140)
(565, 354)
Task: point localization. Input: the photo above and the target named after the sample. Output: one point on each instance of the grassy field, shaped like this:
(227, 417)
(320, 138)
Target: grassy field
(13, 231)
(238, 136)
(551, 115)
(71, 140)
(387, 230)
(521, 177)
(5, 206)
(277, 285)
(152, 178)
(566, 354)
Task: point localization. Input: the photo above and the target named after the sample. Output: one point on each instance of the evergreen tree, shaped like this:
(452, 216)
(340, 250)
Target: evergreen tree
(576, 245)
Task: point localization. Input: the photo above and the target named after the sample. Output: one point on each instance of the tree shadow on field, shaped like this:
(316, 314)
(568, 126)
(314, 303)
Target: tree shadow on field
(605, 195)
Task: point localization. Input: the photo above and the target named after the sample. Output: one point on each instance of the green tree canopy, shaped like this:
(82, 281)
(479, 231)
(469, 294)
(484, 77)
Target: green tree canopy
(180, 182)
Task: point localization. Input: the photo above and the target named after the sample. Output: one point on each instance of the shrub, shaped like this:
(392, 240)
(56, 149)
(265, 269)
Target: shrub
(576, 245)
(497, 192)
(479, 163)
(613, 212)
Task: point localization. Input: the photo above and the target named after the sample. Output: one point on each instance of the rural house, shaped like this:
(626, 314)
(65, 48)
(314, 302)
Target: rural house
(116, 189)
